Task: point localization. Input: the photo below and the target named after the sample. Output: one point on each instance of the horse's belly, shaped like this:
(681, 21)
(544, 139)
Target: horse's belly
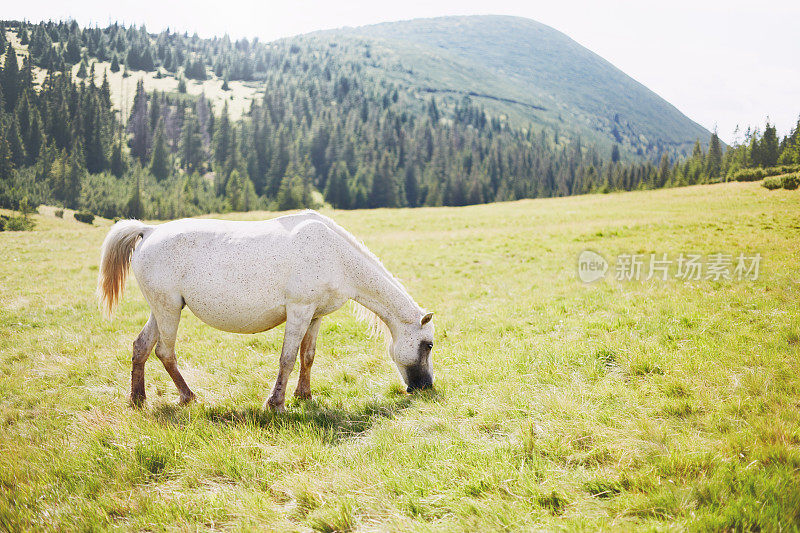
(238, 319)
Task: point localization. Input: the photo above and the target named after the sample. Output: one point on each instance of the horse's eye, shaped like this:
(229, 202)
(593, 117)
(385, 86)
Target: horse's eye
(429, 345)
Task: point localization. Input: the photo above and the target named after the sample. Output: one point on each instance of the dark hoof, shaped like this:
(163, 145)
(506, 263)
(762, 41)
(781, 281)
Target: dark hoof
(137, 400)
(302, 395)
(186, 400)
(275, 406)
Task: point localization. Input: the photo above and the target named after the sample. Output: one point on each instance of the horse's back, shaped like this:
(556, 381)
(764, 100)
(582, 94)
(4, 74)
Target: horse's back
(212, 239)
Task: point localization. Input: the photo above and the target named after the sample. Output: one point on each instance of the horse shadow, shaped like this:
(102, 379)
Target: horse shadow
(332, 422)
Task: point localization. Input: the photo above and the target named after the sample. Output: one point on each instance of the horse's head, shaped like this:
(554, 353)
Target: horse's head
(411, 352)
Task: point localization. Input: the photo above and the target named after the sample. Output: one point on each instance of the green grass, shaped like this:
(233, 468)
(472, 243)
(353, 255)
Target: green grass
(616, 405)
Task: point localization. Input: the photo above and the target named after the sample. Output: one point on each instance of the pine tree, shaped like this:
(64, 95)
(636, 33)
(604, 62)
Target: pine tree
(615, 153)
(25, 79)
(117, 165)
(73, 51)
(790, 150)
(95, 148)
(167, 63)
(155, 111)
(147, 64)
(191, 144)
(74, 176)
(249, 197)
(40, 47)
(755, 158)
(195, 69)
(663, 170)
(384, 188)
(337, 191)
(114, 64)
(139, 124)
(205, 118)
(697, 151)
(769, 146)
(239, 192)
(279, 161)
(233, 191)
(359, 189)
(9, 79)
(159, 162)
(102, 52)
(412, 186)
(714, 157)
(15, 143)
(6, 164)
(134, 208)
(290, 193)
(222, 145)
(105, 92)
(475, 188)
(35, 140)
(24, 116)
(433, 111)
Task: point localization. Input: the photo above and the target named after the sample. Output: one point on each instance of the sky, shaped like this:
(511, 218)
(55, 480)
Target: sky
(721, 62)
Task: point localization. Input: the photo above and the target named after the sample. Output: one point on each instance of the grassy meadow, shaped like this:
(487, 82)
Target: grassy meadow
(558, 405)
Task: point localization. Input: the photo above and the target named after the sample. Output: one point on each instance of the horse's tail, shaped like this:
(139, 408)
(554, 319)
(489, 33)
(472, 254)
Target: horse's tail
(115, 261)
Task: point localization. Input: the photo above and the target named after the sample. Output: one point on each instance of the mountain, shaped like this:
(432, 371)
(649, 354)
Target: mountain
(450, 111)
(527, 71)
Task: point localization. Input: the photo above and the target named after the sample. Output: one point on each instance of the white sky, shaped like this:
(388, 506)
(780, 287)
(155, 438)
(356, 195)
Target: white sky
(721, 62)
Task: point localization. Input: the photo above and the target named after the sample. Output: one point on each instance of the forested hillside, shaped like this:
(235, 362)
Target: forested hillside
(327, 125)
(533, 74)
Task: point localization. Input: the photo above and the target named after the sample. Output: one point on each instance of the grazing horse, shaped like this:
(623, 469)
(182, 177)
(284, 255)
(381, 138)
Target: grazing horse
(248, 277)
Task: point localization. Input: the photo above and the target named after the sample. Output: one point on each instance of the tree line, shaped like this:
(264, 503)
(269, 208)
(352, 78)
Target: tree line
(323, 130)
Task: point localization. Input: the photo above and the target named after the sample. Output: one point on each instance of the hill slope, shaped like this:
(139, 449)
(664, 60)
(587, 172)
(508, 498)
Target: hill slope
(527, 70)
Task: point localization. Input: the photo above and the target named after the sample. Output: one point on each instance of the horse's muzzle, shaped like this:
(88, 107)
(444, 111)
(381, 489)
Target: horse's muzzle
(418, 377)
(421, 384)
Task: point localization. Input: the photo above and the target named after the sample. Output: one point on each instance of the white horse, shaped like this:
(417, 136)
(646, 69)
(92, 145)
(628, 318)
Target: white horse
(248, 277)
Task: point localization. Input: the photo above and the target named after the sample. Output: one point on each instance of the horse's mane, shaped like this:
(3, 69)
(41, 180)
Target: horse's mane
(375, 323)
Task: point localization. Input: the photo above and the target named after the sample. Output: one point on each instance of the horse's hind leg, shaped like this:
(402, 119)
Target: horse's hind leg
(168, 320)
(142, 347)
(307, 349)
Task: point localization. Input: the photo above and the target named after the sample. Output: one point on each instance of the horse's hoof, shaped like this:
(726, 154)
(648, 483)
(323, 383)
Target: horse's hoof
(275, 407)
(302, 395)
(137, 401)
(186, 400)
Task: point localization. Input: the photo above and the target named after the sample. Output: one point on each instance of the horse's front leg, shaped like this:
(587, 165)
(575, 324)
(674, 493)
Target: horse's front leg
(307, 349)
(298, 320)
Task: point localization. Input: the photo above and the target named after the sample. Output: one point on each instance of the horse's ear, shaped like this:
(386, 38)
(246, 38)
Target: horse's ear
(427, 318)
